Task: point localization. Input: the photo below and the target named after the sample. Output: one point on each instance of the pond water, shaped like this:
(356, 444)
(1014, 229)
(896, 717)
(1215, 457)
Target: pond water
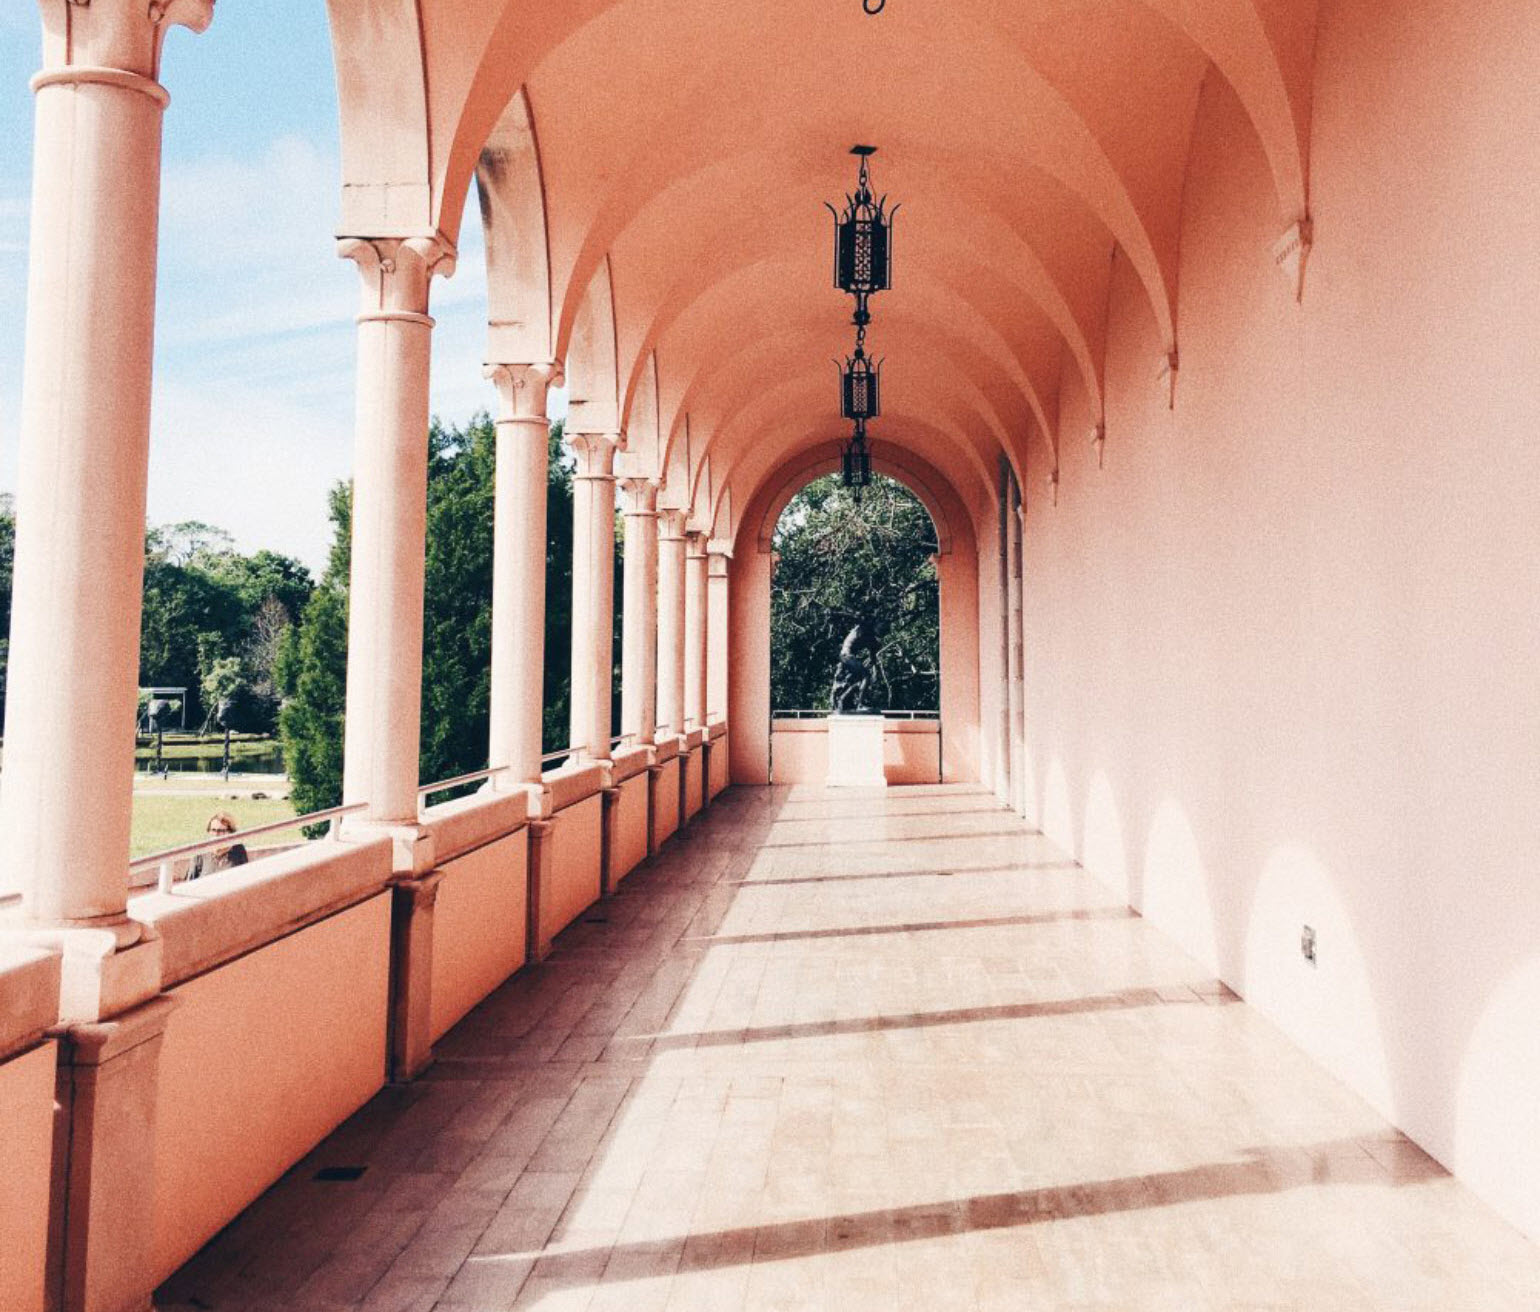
(269, 760)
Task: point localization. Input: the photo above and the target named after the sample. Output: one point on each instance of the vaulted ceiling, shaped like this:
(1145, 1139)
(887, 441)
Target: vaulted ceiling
(653, 175)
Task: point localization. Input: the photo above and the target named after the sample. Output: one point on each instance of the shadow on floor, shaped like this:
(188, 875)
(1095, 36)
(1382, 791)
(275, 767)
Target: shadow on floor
(919, 927)
(1260, 1171)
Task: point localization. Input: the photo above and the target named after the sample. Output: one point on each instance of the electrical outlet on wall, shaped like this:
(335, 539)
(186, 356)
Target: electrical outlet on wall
(1307, 944)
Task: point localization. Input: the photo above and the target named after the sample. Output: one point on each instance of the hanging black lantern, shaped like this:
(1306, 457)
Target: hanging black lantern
(863, 245)
(860, 387)
(856, 463)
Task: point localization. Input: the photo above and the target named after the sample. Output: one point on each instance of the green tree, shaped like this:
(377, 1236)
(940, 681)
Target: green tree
(189, 619)
(205, 602)
(457, 614)
(840, 560)
(312, 665)
(311, 674)
(558, 593)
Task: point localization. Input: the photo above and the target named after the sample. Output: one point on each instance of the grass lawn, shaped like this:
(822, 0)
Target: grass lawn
(163, 820)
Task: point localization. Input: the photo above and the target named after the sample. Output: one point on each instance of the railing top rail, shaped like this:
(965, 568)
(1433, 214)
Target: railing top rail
(215, 842)
(459, 781)
(814, 714)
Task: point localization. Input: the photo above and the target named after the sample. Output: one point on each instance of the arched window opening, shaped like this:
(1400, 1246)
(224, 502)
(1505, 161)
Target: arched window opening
(840, 562)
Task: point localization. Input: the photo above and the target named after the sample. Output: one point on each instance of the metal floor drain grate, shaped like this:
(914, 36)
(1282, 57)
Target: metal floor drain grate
(341, 1174)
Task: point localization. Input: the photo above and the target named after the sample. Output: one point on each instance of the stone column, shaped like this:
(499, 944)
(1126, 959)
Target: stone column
(639, 620)
(671, 612)
(66, 796)
(1017, 666)
(695, 630)
(390, 490)
(593, 592)
(518, 572)
(718, 566)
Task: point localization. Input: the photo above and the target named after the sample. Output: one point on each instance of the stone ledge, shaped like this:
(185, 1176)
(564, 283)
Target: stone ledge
(467, 823)
(666, 749)
(716, 729)
(206, 922)
(29, 996)
(630, 762)
(575, 783)
(694, 739)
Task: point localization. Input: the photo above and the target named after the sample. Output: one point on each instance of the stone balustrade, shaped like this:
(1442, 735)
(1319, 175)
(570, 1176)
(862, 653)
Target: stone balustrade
(298, 985)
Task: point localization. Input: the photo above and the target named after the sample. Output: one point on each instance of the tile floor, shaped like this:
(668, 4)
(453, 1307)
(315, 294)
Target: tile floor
(830, 1051)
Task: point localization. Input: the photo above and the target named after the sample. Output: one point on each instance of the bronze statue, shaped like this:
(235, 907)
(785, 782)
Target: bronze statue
(852, 676)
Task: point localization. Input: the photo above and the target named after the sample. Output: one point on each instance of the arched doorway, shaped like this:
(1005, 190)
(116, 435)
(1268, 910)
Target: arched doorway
(845, 564)
(942, 747)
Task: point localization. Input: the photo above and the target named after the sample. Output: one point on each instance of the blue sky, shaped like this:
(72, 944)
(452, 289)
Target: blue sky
(254, 352)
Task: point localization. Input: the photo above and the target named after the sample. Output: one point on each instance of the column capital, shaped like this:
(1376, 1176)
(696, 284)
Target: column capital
(85, 41)
(595, 454)
(396, 272)
(522, 388)
(670, 525)
(641, 496)
(695, 543)
(717, 563)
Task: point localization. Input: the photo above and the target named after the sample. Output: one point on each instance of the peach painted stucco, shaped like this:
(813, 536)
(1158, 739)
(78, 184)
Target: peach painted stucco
(628, 827)
(27, 1113)
(799, 753)
(690, 766)
(665, 803)
(574, 852)
(239, 1103)
(480, 926)
(721, 753)
(1280, 650)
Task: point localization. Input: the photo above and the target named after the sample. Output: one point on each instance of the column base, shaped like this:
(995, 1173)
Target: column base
(412, 850)
(103, 971)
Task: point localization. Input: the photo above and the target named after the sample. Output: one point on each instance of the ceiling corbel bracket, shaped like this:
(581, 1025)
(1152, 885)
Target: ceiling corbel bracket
(1168, 370)
(1292, 251)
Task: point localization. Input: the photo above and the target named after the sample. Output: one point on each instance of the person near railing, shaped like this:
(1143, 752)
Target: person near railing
(223, 858)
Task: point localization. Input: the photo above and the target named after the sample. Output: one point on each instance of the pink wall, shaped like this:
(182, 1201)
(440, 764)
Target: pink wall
(480, 926)
(720, 773)
(628, 831)
(1281, 650)
(692, 768)
(26, 1112)
(665, 803)
(264, 1056)
(574, 854)
(911, 752)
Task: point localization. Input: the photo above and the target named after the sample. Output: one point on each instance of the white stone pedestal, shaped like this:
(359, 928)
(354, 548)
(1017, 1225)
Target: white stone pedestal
(855, 752)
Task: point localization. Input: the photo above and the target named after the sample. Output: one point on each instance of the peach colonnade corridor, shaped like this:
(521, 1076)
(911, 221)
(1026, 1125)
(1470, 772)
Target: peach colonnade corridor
(852, 1050)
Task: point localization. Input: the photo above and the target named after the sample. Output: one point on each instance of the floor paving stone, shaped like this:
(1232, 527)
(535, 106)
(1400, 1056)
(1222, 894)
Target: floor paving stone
(862, 1050)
